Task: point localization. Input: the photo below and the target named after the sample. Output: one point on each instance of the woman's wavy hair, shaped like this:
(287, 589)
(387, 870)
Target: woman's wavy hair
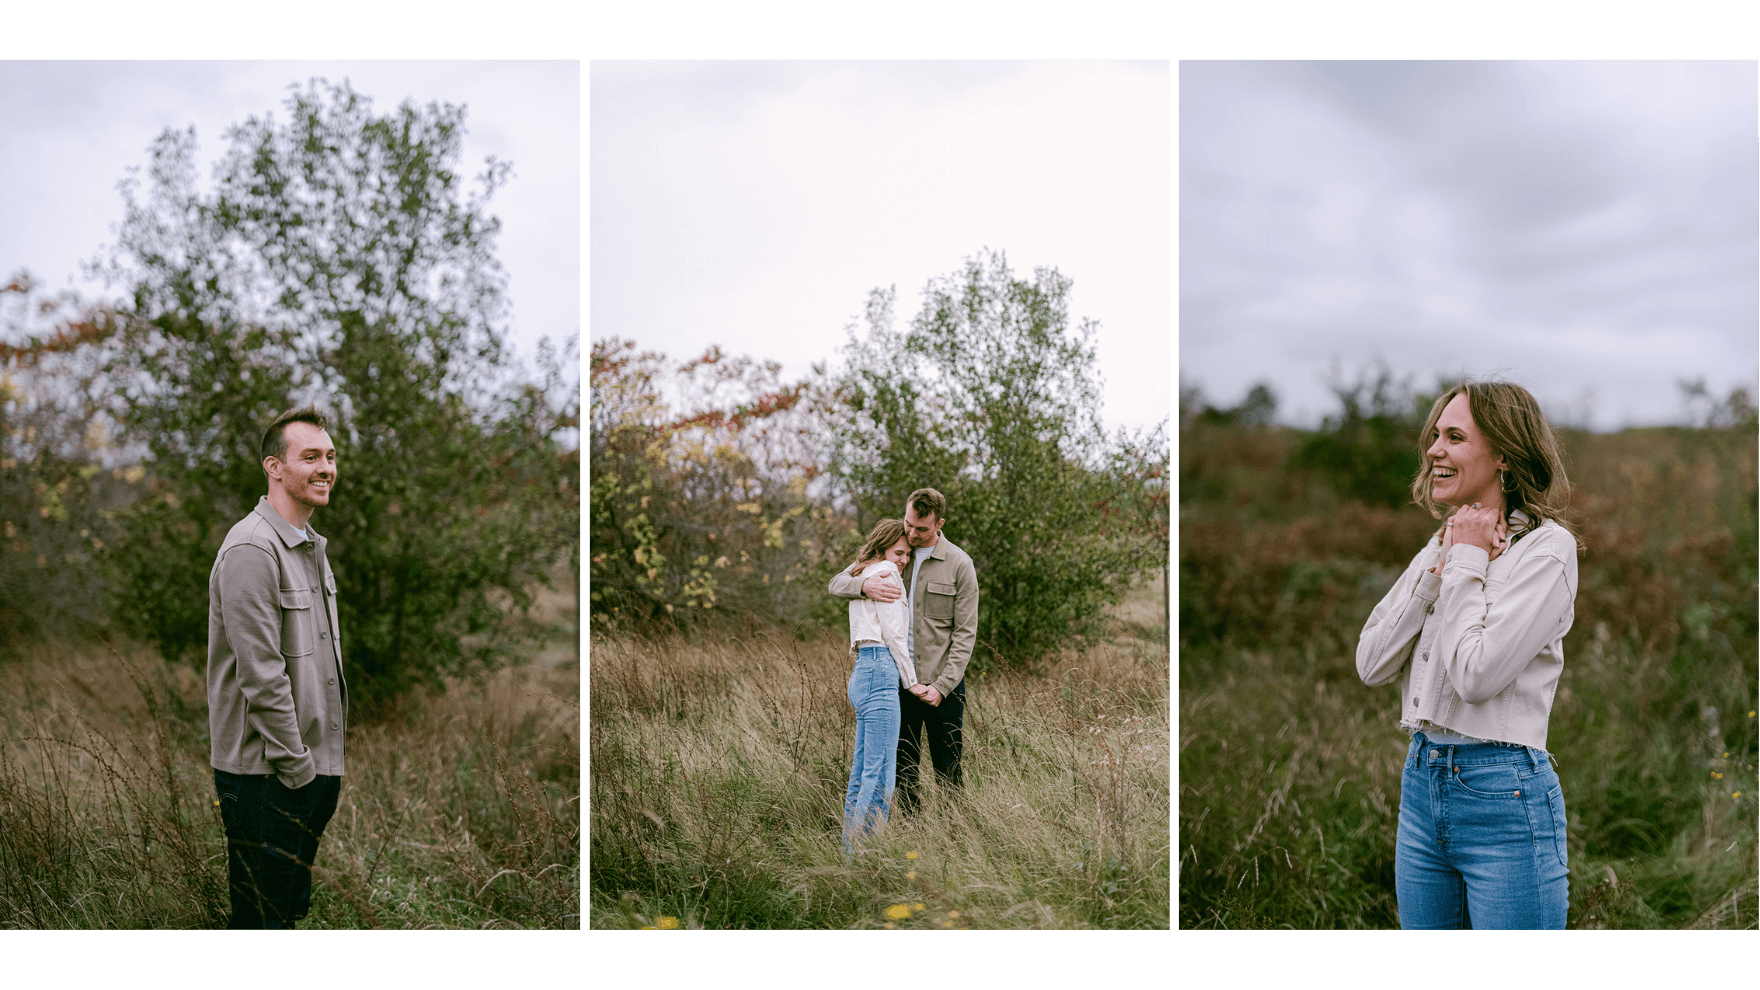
(882, 537)
(1516, 429)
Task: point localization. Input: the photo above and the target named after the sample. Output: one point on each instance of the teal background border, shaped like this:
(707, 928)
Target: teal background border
(799, 29)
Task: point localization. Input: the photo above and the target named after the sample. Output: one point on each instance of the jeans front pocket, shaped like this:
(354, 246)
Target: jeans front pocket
(1497, 781)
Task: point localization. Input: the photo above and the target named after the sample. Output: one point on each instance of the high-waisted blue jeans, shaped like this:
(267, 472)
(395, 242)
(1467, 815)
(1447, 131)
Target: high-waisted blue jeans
(873, 692)
(1481, 838)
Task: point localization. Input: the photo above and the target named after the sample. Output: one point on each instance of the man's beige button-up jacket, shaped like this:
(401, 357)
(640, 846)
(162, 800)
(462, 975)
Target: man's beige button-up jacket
(944, 616)
(276, 698)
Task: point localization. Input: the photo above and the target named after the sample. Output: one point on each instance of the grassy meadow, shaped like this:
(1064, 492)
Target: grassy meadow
(459, 811)
(718, 765)
(1290, 766)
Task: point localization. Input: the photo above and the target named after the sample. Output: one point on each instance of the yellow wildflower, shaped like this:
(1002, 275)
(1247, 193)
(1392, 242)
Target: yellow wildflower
(910, 874)
(918, 906)
(913, 854)
(666, 921)
(898, 912)
(953, 914)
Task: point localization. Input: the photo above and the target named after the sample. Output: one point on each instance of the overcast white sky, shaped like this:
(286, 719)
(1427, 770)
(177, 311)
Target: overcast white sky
(1587, 228)
(754, 204)
(72, 128)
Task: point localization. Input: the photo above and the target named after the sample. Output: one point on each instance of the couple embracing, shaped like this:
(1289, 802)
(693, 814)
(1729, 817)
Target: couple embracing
(913, 621)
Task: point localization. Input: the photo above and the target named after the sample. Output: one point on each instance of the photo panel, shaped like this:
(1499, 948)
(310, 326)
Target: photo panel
(1467, 358)
(907, 318)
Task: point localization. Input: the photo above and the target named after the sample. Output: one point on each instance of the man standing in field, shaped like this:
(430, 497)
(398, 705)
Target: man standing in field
(943, 597)
(277, 704)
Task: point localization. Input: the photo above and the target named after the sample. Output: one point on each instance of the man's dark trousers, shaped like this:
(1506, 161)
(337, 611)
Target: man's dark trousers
(271, 840)
(943, 723)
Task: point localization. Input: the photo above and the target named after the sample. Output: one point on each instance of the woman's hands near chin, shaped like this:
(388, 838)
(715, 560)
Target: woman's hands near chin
(1482, 527)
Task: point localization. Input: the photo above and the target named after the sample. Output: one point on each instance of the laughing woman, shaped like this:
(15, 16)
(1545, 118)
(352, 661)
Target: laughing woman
(1474, 633)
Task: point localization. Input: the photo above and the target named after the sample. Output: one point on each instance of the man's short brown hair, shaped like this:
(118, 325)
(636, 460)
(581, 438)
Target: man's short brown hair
(928, 501)
(275, 437)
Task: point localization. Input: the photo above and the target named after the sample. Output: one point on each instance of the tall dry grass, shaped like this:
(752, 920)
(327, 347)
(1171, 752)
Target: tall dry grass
(718, 769)
(1290, 767)
(462, 811)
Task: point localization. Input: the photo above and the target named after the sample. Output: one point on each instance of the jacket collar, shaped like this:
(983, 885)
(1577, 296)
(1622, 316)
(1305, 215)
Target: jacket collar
(289, 536)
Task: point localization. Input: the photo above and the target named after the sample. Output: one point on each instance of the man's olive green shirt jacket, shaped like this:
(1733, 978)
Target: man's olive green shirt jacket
(944, 616)
(277, 703)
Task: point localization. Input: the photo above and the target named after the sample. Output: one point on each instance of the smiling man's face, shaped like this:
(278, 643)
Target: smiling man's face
(308, 471)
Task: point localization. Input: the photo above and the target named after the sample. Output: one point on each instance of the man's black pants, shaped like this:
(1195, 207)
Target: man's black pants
(271, 840)
(943, 724)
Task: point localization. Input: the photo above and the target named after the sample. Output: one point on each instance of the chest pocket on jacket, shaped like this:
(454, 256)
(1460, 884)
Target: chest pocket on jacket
(939, 602)
(296, 622)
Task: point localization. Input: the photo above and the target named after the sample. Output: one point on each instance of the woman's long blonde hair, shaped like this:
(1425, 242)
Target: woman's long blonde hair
(880, 540)
(1516, 428)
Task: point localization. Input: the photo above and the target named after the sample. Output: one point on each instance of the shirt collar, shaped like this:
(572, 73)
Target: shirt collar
(290, 536)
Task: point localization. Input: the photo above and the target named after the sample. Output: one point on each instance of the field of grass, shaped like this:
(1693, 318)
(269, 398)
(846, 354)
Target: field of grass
(462, 811)
(1290, 767)
(717, 769)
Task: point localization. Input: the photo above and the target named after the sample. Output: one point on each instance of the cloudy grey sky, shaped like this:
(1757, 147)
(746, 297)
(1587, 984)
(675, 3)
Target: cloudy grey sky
(753, 205)
(72, 128)
(1586, 228)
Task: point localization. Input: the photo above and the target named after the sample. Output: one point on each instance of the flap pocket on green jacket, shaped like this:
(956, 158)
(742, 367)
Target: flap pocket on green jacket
(939, 603)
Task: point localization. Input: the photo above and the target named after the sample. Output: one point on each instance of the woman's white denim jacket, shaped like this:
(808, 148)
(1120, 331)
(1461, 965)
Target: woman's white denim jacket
(875, 623)
(1482, 646)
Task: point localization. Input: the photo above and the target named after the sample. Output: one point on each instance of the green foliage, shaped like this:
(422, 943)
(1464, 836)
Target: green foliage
(338, 258)
(990, 398)
(703, 497)
(1369, 450)
(56, 488)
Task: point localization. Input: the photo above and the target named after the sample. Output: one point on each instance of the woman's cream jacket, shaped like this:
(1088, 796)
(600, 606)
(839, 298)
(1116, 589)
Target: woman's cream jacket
(884, 623)
(1481, 647)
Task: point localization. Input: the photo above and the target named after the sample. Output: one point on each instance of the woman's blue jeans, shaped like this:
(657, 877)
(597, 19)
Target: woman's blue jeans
(873, 692)
(1481, 838)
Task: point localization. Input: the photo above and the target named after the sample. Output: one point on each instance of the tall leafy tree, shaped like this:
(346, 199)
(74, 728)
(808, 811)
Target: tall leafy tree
(991, 397)
(339, 256)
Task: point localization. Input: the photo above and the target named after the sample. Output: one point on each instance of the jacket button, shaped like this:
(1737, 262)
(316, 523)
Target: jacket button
(335, 725)
(323, 635)
(332, 680)
(1414, 699)
(1425, 656)
(1429, 607)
